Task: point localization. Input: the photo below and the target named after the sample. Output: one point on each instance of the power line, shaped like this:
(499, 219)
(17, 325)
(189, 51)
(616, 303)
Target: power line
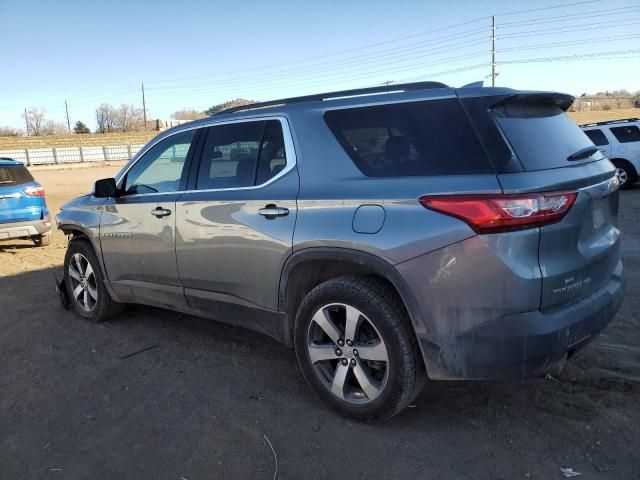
(518, 12)
(571, 42)
(445, 46)
(559, 18)
(590, 26)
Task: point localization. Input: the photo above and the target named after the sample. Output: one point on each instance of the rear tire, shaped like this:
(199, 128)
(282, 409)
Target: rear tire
(626, 173)
(375, 374)
(85, 284)
(41, 240)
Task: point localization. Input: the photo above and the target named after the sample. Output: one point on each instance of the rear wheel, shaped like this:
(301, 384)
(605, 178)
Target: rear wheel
(627, 175)
(85, 284)
(355, 348)
(41, 240)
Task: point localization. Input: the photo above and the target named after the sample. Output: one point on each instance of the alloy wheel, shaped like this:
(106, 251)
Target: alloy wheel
(84, 289)
(347, 353)
(622, 175)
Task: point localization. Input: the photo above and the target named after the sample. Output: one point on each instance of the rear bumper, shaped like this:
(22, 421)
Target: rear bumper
(24, 229)
(524, 345)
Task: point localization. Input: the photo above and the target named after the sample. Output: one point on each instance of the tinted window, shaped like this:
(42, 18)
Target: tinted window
(241, 155)
(14, 175)
(626, 134)
(410, 139)
(597, 137)
(160, 169)
(542, 135)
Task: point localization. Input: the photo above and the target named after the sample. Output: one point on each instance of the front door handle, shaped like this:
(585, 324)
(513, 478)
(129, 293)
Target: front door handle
(160, 212)
(272, 211)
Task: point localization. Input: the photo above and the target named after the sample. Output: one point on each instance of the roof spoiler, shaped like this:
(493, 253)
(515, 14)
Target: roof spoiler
(562, 100)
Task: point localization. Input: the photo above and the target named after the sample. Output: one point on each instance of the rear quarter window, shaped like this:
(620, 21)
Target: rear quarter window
(11, 175)
(626, 134)
(425, 138)
(597, 137)
(541, 135)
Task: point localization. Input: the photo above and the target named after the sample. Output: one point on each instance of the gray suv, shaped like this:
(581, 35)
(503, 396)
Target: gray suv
(390, 235)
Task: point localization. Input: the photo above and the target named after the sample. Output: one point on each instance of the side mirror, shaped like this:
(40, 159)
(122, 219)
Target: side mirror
(105, 188)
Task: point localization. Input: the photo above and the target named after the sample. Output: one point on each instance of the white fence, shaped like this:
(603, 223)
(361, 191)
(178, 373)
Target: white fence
(62, 155)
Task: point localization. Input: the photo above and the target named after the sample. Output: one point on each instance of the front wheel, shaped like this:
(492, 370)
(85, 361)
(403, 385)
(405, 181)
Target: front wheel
(355, 347)
(85, 284)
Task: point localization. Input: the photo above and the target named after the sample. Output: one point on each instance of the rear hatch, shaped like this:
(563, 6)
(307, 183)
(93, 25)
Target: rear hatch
(579, 253)
(21, 197)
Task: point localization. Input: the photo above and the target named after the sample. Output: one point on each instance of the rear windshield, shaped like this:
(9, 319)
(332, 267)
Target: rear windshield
(14, 175)
(410, 139)
(542, 135)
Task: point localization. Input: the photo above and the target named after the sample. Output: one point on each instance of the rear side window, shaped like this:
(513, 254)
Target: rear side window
(241, 154)
(541, 135)
(626, 134)
(410, 139)
(14, 175)
(597, 137)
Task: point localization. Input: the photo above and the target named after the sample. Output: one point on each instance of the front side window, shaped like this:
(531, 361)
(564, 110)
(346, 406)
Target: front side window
(626, 134)
(241, 154)
(160, 169)
(597, 137)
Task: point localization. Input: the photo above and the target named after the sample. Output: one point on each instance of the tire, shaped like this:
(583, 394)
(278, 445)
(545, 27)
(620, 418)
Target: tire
(626, 173)
(41, 240)
(93, 301)
(383, 330)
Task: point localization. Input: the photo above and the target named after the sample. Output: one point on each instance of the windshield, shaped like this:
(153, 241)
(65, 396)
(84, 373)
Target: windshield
(542, 135)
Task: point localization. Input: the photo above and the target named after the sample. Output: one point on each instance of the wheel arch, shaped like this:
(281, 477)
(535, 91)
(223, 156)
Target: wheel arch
(309, 267)
(77, 233)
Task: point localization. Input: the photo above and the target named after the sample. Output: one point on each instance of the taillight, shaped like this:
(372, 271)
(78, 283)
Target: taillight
(503, 213)
(34, 191)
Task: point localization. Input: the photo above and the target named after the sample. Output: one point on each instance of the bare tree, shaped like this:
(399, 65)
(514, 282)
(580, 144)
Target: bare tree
(10, 132)
(187, 114)
(129, 118)
(35, 121)
(54, 128)
(106, 118)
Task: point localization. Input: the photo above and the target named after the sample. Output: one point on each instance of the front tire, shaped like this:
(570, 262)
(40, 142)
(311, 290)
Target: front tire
(85, 284)
(356, 349)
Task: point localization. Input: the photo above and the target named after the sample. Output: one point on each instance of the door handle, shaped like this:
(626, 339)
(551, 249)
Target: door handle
(272, 211)
(160, 212)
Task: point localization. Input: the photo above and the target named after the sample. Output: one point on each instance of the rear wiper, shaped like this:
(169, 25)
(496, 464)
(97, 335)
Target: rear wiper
(582, 153)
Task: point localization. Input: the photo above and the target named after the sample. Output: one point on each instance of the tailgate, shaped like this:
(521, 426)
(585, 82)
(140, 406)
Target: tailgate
(578, 254)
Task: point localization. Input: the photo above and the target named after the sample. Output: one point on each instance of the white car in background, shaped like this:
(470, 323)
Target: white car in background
(620, 141)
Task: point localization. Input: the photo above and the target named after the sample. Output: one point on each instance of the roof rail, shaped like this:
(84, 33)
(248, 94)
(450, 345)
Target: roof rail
(609, 122)
(400, 87)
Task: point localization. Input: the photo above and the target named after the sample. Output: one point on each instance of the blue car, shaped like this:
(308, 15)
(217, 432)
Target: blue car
(23, 210)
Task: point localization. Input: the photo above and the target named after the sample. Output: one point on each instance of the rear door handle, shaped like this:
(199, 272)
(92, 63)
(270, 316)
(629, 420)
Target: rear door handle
(272, 211)
(160, 212)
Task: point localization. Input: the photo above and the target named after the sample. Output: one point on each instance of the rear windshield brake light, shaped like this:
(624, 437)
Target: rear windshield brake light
(503, 213)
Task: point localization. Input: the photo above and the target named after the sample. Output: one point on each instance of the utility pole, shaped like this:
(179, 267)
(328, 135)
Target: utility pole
(26, 120)
(493, 51)
(144, 108)
(66, 108)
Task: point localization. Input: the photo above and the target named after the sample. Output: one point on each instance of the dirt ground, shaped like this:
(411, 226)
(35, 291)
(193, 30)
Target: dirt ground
(210, 401)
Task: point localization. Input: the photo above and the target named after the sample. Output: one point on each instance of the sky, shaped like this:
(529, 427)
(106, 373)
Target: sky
(194, 54)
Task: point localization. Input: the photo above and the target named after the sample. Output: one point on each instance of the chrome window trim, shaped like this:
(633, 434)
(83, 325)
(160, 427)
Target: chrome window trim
(289, 149)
